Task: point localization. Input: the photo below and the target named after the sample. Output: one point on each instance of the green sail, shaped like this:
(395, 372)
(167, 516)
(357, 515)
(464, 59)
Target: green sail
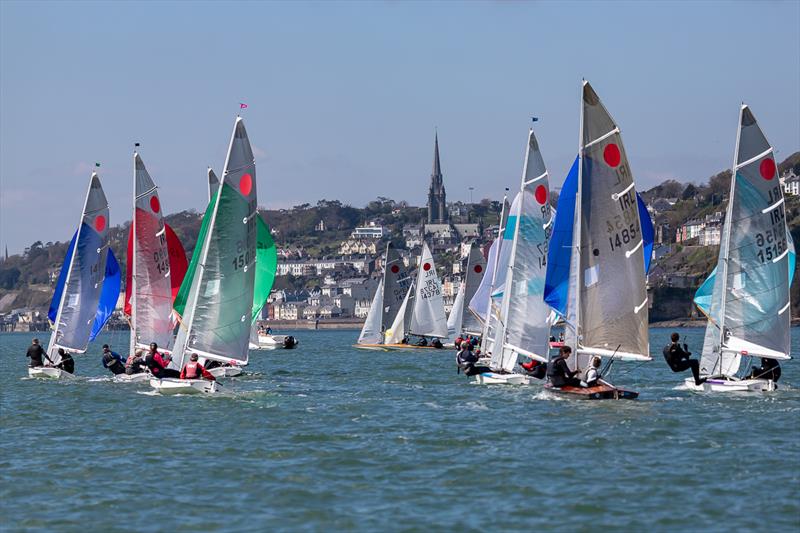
(266, 266)
(179, 305)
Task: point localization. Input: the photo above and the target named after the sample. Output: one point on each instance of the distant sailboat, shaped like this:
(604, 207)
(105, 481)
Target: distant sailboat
(216, 299)
(596, 260)
(388, 304)
(746, 298)
(461, 319)
(88, 285)
(523, 327)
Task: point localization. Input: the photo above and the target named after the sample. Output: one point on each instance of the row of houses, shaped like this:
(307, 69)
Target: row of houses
(707, 231)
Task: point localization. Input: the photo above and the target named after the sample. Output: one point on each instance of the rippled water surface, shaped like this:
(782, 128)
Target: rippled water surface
(327, 437)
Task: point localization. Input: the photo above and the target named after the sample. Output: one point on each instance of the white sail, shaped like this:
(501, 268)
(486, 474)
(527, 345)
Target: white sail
(397, 331)
(524, 327)
(493, 324)
(79, 288)
(151, 288)
(479, 303)
(455, 319)
(750, 306)
(474, 276)
(428, 318)
(371, 332)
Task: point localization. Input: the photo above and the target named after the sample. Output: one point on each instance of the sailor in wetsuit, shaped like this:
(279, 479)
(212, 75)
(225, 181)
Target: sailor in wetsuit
(769, 369)
(67, 363)
(559, 373)
(593, 373)
(194, 370)
(535, 368)
(158, 364)
(678, 359)
(113, 361)
(36, 354)
(467, 361)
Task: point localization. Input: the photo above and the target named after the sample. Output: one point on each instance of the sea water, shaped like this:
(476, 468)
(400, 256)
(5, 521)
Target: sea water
(328, 437)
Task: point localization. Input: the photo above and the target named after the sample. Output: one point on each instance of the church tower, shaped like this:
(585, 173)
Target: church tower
(437, 205)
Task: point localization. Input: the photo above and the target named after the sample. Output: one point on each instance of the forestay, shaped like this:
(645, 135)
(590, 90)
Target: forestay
(749, 311)
(217, 295)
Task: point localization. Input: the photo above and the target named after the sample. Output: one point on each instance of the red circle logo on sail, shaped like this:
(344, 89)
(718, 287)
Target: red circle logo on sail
(478, 269)
(426, 267)
(541, 194)
(155, 205)
(100, 223)
(611, 155)
(767, 168)
(395, 269)
(246, 184)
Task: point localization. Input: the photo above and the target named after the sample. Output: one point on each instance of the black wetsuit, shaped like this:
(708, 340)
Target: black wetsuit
(678, 360)
(467, 363)
(436, 343)
(158, 370)
(560, 375)
(67, 364)
(113, 362)
(769, 369)
(36, 354)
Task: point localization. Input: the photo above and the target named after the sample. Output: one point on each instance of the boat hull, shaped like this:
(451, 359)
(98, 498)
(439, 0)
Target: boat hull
(48, 372)
(598, 392)
(226, 371)
(494, 378)
(732, 385)
(141, 377)
(276, 341)
(183, 386)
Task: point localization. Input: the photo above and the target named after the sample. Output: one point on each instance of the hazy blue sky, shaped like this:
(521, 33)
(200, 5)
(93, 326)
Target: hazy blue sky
(344, 97)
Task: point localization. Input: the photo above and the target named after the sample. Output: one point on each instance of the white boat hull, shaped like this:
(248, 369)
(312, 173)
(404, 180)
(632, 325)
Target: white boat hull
(732, 385)
(48, 372)
(274, 341)
(493, 378)
(141, 377)
(183, 386)
(226, 371)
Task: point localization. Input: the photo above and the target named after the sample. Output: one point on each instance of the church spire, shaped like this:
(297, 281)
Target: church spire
(437, 204)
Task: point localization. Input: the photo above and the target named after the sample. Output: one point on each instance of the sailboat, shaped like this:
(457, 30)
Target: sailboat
(499, 255)
(389, 302)
(749, 305)
(425, 317)
(523, 326)
(87, 288)
(155, 269)
(596, 259)
(215, 302)
(461, 320)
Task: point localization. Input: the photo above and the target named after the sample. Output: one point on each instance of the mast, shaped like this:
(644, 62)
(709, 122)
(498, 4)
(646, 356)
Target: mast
(727, 235)
(578, 224)
(53, 335)
(500, 231)
(132, 262)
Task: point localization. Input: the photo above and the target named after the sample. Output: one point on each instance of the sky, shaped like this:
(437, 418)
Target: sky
(344, 98)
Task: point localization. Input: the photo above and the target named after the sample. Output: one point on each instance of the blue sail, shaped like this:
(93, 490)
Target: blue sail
(62, 279)
(109, 295)
(556, 284)
(648, 233)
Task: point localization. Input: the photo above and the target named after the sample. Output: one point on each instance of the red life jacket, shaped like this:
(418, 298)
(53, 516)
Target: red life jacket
(192, 371)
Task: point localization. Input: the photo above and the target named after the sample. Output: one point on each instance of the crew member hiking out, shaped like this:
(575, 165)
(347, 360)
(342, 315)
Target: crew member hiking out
(679, 360)
(194, 370)
(535, 369)
(113, 361)
(558, 371)
(769, 369)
